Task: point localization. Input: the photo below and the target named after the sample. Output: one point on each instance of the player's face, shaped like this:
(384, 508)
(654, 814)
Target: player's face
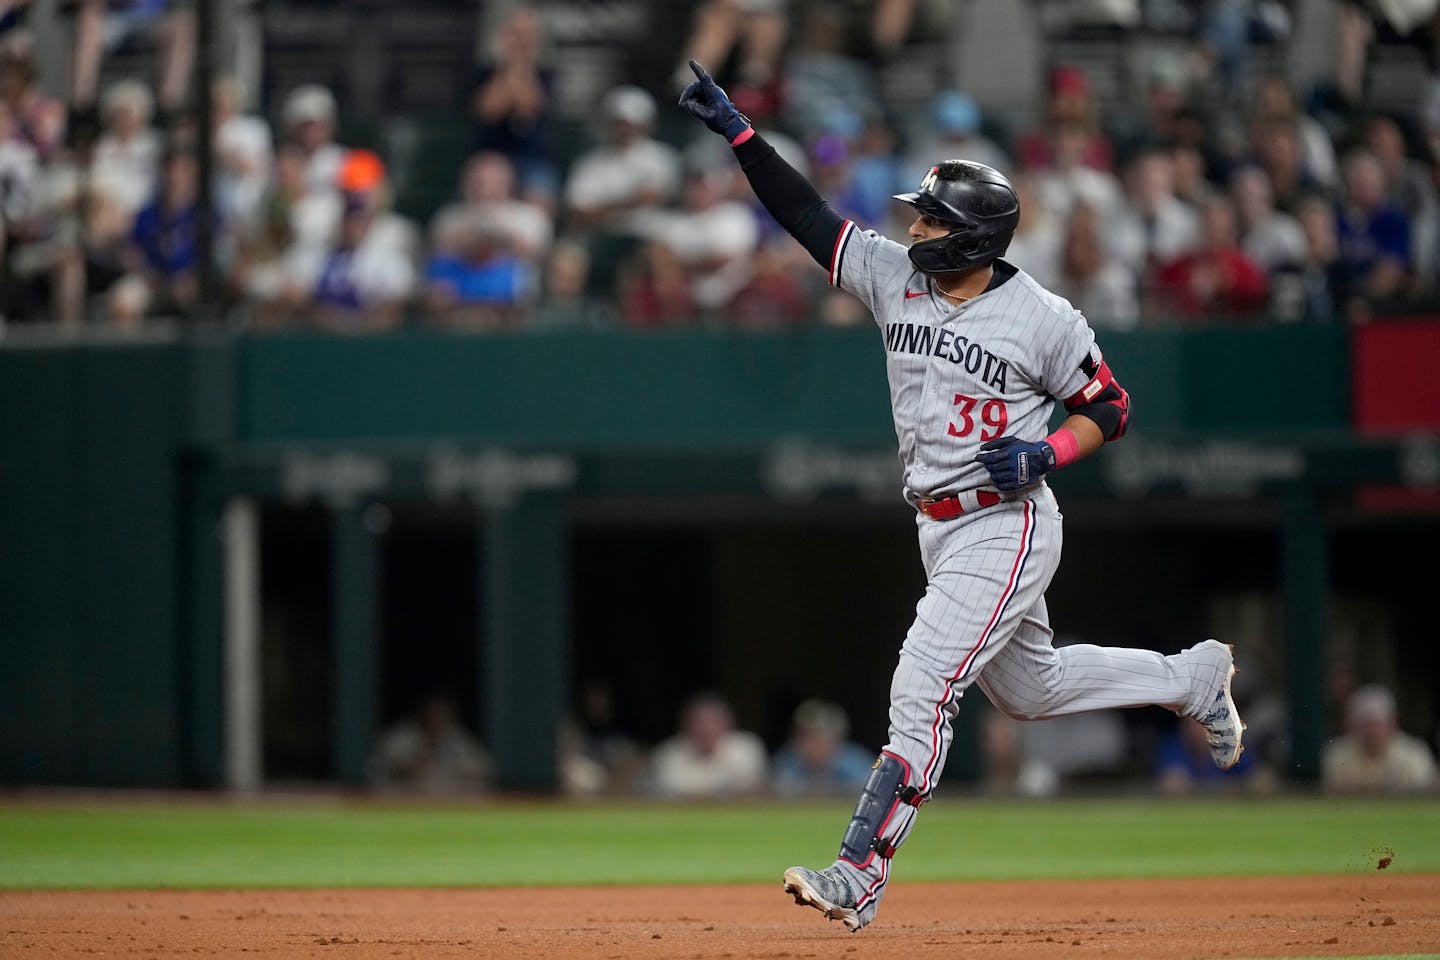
(927, 227)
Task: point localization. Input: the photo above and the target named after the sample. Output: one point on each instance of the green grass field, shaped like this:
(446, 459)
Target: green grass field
(338, 843)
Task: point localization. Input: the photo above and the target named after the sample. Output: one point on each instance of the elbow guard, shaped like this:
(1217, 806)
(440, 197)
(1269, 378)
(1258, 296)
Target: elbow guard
(1102, 400)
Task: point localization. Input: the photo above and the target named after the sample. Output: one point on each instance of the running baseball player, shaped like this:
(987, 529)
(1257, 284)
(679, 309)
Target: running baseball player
(977, 354)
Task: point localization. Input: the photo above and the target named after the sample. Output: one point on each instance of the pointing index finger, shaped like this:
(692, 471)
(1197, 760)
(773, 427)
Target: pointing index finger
(701, 73)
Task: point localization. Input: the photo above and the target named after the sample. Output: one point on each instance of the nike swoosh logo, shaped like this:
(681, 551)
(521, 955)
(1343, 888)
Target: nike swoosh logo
(912, 294)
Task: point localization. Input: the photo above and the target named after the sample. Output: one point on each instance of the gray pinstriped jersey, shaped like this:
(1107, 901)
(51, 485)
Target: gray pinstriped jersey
(960, 376)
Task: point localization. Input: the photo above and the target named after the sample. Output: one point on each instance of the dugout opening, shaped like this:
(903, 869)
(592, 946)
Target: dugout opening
(769, 604)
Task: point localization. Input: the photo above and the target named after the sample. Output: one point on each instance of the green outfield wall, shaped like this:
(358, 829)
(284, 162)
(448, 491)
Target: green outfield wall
(116, 461)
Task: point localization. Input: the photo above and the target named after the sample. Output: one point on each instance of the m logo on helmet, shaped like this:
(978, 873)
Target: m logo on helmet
(978, 205)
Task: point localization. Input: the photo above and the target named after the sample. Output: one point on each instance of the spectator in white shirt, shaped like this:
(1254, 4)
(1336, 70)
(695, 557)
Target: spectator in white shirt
(488, 196)
(1275, 98)
(1374, 755)
(126, 162)
(243, 155)
(1274, 240)
(429, 751)
(1070, 180)
(616, 185)
(1094, 282)
(308, 118)
(282, 249)
(369, 275)
(713, 237)
(1039, 238)
(708, 757)
(1154, 225)
(19, 172)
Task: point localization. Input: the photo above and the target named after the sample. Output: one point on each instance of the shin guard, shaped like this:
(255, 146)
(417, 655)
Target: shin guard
(884, 814)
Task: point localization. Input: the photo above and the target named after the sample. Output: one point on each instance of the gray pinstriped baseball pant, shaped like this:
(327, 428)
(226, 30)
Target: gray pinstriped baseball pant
(983, 620)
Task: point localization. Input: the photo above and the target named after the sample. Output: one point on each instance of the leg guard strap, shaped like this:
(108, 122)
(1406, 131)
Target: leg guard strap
(884, 813)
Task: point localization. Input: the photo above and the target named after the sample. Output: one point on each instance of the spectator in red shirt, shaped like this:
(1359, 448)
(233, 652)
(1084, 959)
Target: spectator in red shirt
(654, 290)
(1069, 103)
(1217, 279)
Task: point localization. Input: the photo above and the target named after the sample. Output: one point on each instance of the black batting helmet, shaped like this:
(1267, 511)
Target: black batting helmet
(981, 205)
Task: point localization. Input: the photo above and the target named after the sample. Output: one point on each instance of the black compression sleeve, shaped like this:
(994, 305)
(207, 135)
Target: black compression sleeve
(790, 198)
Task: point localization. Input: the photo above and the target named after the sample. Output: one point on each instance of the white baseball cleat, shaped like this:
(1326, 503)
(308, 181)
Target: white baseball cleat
(827, 892)
(1223, 726)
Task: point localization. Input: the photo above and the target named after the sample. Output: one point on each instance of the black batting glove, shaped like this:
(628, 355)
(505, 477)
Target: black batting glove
(704, 100)
(1014, 464)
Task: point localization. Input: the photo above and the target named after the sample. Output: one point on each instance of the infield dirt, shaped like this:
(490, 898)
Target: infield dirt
(1375, 913)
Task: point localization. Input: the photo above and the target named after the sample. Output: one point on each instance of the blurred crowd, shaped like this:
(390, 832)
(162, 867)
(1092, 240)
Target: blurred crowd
(710, 756)
(1223, 195)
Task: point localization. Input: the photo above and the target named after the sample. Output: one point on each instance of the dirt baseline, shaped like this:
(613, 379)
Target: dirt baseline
(1251, 917)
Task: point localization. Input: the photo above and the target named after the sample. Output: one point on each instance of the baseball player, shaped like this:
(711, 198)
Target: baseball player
(977, 353)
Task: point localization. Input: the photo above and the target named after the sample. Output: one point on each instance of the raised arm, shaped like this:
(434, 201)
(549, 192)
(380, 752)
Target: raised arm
(783, 191)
